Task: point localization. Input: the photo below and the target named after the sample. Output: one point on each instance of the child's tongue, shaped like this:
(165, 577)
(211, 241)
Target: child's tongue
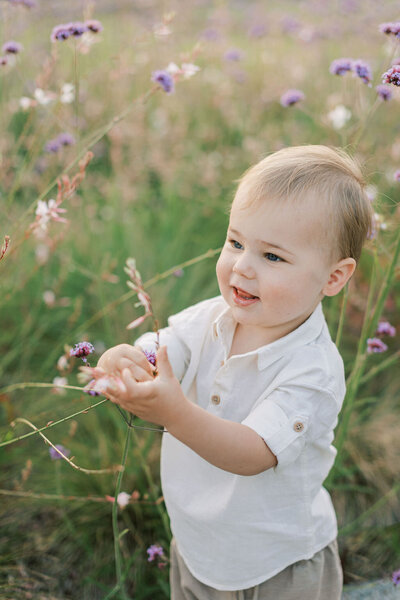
(244, 295)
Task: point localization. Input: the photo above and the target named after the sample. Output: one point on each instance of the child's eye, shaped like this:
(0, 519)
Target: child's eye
(235, 244)
(272, 257)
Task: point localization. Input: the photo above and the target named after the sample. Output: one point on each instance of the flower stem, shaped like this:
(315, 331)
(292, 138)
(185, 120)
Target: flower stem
(342, 316)
(117, 548)
(152, 486)
(72, 464)
(49, 425)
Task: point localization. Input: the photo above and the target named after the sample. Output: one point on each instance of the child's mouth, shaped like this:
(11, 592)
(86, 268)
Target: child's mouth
(243, 298)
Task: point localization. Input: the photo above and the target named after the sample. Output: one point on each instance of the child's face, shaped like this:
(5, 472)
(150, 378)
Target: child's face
(271, 289)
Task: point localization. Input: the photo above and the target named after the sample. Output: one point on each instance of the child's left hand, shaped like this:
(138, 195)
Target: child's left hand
(159, 401)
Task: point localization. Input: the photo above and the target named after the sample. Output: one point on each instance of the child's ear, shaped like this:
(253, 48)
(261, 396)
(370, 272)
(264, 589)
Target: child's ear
(339, 276)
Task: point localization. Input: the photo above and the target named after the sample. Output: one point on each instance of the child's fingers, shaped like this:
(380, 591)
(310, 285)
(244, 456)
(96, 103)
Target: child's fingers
(138, 373)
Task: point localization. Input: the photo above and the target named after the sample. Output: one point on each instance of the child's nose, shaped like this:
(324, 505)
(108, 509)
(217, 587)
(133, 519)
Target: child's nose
(243, 266)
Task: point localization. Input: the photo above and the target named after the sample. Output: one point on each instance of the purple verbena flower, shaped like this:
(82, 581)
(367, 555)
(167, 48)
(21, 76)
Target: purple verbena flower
(210, 34)
(77, 28)
(178, 273)
(375, 345)
(164, 79)
(291, 97)
(340, 66)
(397, 175)
(60, 33)
(390, 28)
(66, 139)
(396, 577)
(151, 356)
(392, 75)
(89, 391)
(11, 47)
(27, 3)
(290, 24)
(385, 328)
(258, 30)
(54, 455)
(384, 92)
(52, 146)
(153, 551)
(233, 54)
(81, 350)
(94, 26)
(362, 70)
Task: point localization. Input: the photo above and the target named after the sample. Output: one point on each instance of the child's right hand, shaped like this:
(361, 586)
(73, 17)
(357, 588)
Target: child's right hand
(124, 356)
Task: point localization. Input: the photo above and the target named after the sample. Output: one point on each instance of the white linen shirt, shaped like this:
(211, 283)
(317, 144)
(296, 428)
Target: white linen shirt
(236, 531)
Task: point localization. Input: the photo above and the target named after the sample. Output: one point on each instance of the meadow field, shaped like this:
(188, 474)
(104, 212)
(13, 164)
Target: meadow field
(102, 161)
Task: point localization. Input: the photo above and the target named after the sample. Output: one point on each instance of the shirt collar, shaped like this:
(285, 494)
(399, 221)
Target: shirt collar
(223, 328)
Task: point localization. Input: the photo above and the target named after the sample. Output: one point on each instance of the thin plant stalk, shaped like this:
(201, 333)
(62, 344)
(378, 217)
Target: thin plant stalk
(117, 548)
(152, 487)
(342, 316)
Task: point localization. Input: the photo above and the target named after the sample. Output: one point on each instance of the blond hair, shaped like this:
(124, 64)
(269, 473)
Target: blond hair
(334, 179)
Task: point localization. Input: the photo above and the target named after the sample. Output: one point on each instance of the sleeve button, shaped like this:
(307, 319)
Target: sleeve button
(298, 426)
(215, 399)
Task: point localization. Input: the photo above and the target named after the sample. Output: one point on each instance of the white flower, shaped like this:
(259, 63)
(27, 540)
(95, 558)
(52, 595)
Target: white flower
(161, 30)
(43, 97)
(67, 93)
(123, 499)
(26, 102)
(59, 381)
(43, 212)
(173, 68)
(49, 297)
(42, 252)
(189, 69)
(62, 363)
(339, 116)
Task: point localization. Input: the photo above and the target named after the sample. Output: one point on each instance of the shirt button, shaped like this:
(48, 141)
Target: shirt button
(298, 426)
(215, 399)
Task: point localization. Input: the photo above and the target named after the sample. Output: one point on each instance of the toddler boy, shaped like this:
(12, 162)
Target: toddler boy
(251, 387)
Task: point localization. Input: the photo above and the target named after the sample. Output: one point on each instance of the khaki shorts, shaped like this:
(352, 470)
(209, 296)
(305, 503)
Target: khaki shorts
(318, 578)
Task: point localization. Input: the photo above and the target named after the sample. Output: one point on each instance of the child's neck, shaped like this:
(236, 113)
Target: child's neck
(244, 342)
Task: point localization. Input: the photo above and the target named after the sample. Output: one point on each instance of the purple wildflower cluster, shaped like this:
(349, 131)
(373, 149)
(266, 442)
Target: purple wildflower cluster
(55, 452)
(384, 92)
(156, 552)
(75, 29)
(392, 75)
(151, 356)
(82, 350)
(26, 3)
(291, 97)
(164, 79)
(396, 577)
(375, 344)
(11, 47)
(233, 54)
(340, 66)
(360, 68)
(390, 28)
(64, 139)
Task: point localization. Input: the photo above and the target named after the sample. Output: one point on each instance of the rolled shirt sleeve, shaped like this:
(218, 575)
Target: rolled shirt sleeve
(292, 416)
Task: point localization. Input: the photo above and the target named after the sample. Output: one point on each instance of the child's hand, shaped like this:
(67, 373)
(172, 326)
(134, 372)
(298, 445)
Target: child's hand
(124, 356)
(159, 400)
